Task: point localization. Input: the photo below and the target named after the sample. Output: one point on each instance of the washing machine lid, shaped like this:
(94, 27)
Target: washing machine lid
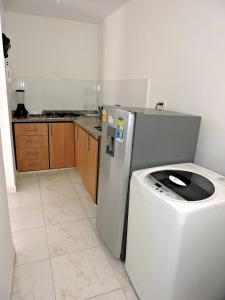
(188, 185)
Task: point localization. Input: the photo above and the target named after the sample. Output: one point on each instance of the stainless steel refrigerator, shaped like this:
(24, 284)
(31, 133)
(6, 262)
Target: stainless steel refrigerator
(133, 139)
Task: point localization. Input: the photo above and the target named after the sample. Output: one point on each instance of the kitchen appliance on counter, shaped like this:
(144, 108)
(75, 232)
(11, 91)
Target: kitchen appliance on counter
(176, 241)
(21, 111)
(133, 139)
(62, 114)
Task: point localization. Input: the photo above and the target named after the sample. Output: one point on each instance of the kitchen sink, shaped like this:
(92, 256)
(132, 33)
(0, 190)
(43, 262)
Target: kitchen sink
(99, 128)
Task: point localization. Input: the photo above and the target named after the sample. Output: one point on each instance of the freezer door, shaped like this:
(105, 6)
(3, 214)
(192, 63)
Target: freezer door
(116, 150)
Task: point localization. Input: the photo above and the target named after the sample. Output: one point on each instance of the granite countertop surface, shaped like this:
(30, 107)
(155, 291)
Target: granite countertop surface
(89, 124)
(44, 119)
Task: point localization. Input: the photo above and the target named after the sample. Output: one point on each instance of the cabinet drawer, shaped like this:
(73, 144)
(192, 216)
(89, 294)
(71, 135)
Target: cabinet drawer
(32, 164)
(31, 129)
(32, 153)
(31, 141)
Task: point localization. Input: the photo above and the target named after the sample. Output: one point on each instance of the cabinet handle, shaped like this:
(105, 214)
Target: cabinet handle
(32, 153)
(50, 129)
(76, 133)
(32, 142)
(30, 129)
(88, 143)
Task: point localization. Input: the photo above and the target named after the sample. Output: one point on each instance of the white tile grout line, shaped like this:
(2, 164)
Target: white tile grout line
(101, 243)
(107, 293)
(49, 225)
(45, 226)
(53, 257)
(53, 284)
(130, 285)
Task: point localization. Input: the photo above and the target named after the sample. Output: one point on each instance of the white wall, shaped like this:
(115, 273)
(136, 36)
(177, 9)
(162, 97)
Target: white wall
(2, 15)
(47, 47)
(6, 245)
(180, 46)
(45, 50)
(5, 124)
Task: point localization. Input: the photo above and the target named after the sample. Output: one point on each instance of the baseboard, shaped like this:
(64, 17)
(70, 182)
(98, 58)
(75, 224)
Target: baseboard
(12, 274)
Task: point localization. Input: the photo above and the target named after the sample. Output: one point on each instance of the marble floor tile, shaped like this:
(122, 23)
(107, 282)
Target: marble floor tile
(89, 206)
(25, 183)
(118, 268)
(33, 282)
(81, 189)
(30, 245)
(53, 179)
(26, 218)
(27, 174)
(83, 275)
(24, 198)
(115, 295)
(93, 223)
(73, 170)
(71, 237)
(64, 211)
(74, 176)
(58, 193)
(130, 293)
(82, 269)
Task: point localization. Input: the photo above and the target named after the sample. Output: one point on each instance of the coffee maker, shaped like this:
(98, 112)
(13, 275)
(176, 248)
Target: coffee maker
(21, 111)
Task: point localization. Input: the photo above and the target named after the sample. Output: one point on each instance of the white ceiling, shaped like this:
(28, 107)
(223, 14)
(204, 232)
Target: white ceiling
(91, 11)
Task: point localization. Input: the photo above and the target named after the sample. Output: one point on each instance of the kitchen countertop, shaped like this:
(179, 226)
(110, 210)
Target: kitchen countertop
(44, 119)
(89, 124)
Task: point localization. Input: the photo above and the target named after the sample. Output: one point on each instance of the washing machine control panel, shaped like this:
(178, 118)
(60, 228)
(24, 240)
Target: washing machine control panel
(160, 189)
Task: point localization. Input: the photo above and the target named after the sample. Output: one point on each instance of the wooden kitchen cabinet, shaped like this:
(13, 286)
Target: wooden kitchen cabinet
(39, 146)
(31, 145)
(88, 161)
(61, 145)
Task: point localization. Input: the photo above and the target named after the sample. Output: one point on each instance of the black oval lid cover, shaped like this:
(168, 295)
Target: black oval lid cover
(188, 185)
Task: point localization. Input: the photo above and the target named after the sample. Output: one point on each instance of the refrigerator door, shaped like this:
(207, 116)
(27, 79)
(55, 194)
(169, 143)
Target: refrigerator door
(116, 150)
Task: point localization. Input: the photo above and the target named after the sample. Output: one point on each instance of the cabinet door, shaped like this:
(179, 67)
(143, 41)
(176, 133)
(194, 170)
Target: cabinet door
(83, 162)
(92, 167)
(69, 145)
(61, 141)
(76, 146)
(31, 146)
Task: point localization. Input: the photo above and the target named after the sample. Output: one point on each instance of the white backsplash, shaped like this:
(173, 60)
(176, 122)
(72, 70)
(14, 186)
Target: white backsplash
(70, 94)
(55, 94)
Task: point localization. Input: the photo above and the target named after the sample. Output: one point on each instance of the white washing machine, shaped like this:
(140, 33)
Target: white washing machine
(176, 234)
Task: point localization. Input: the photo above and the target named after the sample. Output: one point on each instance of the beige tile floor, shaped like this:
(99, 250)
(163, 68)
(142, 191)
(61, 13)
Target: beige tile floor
(58, 253)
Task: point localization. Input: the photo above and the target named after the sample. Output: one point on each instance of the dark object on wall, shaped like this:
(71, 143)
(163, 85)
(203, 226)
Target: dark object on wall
(6, 45)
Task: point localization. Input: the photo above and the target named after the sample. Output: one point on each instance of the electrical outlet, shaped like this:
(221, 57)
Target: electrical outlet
(161, 104)
(164, 104)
